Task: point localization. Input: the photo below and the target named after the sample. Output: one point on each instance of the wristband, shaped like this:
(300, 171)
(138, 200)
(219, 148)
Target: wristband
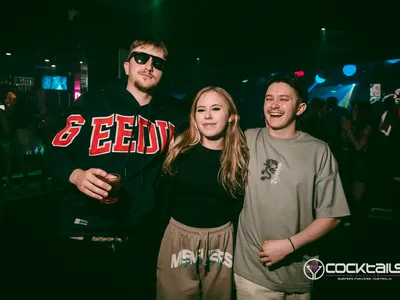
(294, 249)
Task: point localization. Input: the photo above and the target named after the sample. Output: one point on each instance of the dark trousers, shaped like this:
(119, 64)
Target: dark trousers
(126, 268)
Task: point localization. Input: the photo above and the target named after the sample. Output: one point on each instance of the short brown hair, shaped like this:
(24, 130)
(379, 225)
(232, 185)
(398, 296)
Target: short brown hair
(294, 81)
(149, 42)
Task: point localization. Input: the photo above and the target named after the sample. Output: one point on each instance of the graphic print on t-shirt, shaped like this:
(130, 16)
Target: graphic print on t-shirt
(271, 169)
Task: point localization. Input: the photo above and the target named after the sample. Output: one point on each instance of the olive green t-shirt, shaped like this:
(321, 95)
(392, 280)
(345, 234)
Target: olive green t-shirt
(291, 183)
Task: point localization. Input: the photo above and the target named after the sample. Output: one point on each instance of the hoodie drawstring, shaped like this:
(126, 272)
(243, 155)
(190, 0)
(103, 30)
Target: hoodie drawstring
(145, 148)
(133, 135)
(130, 146)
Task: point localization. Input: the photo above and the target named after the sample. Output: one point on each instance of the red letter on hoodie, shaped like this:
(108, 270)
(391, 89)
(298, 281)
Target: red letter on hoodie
(162, 127)
(71, 131)
(99, 134)
(142, 122)
(123, 134)
(153, 139)
(154, 147)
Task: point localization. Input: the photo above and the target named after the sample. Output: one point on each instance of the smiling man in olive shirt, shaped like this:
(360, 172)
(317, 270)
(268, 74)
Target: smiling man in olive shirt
(294, 197)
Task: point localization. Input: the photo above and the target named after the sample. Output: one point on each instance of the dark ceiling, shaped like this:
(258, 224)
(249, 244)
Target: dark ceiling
(242, 38)
(137, 6)
(259, 33)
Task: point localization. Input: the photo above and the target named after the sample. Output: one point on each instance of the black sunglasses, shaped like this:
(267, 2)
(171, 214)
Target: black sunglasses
(142, 58)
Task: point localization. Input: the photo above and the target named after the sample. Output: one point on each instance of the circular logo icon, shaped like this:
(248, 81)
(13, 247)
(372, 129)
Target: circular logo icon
(314, 269)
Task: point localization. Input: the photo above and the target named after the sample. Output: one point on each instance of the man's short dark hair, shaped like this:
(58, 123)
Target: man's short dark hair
(149, 41)
(294, 82)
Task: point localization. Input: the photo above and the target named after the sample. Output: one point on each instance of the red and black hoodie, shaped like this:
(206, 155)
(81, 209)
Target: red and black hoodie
(109, 130)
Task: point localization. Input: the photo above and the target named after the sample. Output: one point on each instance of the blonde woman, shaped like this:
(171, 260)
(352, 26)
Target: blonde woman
(206, 169)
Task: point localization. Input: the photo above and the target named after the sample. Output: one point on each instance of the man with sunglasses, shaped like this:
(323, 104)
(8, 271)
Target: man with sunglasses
(125, 131)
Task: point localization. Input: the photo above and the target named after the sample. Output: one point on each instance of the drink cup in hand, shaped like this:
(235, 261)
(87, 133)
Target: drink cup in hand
(114, 180)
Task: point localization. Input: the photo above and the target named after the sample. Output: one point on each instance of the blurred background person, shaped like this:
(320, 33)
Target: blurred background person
(312, 120)
(357, 134)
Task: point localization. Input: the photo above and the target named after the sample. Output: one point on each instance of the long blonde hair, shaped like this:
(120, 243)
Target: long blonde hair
(235, 154)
